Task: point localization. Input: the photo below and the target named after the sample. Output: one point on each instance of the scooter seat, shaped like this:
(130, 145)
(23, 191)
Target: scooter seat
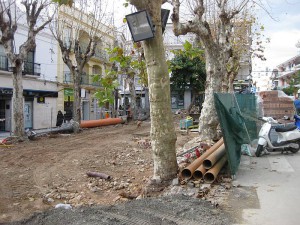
(285, 129)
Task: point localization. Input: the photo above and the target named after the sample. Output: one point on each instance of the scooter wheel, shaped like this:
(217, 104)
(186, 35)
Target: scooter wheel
(293, 150)
(259, 150)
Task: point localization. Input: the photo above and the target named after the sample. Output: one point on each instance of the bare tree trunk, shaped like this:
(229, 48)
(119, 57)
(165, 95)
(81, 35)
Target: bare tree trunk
(77, 100)
(208, 120)
(133, 97)
(192, 102)
(18, 102)
(163, 136)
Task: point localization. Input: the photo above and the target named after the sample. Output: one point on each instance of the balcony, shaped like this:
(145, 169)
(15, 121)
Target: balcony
(99, 54)
(32, 69)
(29, 68)
(86, 79)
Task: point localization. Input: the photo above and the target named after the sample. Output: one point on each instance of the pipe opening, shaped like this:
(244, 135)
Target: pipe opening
(186, 173)
(198, 175)
(207, 164)
(209, 177)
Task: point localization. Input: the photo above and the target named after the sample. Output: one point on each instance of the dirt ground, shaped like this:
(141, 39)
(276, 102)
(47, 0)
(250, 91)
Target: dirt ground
(37, 175)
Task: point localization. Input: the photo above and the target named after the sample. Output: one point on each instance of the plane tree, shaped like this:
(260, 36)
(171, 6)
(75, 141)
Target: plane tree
(163, 136)
(213, 22)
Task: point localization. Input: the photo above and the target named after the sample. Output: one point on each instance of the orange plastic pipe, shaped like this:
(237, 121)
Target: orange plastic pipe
(188, 171)
(101, 122)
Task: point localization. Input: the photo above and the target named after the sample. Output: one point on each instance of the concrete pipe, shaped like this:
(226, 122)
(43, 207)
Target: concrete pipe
(187, 172)
(214, 157)
(211, 174)
(199, 172)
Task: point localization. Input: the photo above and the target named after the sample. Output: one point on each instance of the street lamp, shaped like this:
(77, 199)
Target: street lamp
(140, 24)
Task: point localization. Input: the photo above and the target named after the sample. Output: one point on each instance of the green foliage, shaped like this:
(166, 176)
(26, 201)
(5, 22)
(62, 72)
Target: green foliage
(188, 69)
(129, 64)
(109, 83)
(292, 89)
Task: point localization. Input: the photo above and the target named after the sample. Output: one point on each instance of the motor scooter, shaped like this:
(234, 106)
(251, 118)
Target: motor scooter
(288, 137)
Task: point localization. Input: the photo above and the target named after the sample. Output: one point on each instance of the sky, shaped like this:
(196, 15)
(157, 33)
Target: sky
(283, 29)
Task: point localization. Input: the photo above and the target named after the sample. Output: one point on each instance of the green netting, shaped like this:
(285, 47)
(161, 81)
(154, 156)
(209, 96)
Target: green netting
(237, 114)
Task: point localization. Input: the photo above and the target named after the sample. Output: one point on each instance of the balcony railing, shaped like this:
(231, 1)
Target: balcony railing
(31, 68)
(86, 79)
(100, 54)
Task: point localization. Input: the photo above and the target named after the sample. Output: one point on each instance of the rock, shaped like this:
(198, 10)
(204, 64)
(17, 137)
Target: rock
(64, 206)
(175, 182)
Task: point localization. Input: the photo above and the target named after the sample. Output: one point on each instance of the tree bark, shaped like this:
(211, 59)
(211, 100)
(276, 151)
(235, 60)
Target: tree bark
(77, 100)
(18, 102)
(163, 136)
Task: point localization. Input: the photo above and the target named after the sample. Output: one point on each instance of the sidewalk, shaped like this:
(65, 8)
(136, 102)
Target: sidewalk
(276, 178)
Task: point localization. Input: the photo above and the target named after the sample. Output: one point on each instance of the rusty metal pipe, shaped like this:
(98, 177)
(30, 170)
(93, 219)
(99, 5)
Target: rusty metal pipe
(199, 172)
(211, 174)
(214, 157)
(188, 171)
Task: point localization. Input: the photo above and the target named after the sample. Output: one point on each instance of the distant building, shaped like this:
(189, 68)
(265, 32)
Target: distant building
(95, 66)
(285, 71)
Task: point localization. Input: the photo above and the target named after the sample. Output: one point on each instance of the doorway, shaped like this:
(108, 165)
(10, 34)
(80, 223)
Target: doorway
(2, 115)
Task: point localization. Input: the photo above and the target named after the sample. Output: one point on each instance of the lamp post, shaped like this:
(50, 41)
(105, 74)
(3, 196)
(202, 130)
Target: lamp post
(140, 24)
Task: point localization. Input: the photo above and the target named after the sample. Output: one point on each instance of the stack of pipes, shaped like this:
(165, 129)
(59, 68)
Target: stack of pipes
(208, 165)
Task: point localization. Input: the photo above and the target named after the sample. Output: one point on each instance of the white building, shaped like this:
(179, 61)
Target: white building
(39, 82)
(285, 71)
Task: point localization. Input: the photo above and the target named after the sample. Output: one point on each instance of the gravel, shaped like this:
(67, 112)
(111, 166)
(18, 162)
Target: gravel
(166, 210)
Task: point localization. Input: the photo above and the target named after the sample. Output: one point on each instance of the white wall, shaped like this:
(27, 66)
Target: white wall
(42, 113)
(45, 52)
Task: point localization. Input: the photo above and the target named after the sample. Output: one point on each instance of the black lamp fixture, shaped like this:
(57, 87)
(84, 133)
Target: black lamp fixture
(164, 18)
(140, 24)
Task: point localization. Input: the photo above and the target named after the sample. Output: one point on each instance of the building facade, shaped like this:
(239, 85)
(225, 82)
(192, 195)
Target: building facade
(285, 71)
(39, 82)
(97, 65)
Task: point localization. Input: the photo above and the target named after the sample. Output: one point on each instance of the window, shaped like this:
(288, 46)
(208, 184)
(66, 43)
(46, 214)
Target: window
(3, 59)
(29, 63)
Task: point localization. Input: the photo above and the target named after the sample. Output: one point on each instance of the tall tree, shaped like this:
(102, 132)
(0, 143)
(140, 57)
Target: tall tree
(163, 136)
(33, 12)
(212, 22)
(188, 70)
(78, 32)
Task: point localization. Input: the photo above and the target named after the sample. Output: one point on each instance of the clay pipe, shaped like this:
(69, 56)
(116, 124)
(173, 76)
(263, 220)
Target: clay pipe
(187, 172)
(211, 174)
(214, 157)
(199, 172)
(100, 175)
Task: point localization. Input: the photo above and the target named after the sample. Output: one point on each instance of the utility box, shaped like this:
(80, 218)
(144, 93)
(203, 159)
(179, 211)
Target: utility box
(185, 124)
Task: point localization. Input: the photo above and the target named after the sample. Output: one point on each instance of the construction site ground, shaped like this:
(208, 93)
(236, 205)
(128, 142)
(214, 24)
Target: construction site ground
(38, 175)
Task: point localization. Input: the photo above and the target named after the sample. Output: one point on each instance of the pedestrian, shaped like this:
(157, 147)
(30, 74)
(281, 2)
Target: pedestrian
(297, 105)
(59, 118)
